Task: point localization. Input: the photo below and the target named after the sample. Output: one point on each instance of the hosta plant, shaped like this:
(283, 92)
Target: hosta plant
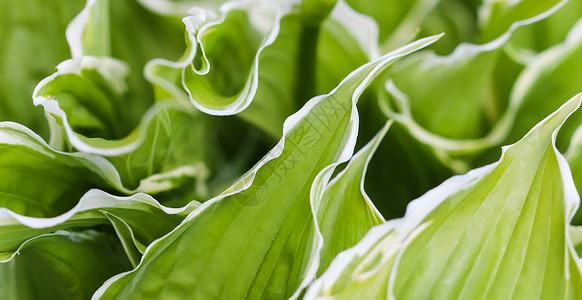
(287, 149)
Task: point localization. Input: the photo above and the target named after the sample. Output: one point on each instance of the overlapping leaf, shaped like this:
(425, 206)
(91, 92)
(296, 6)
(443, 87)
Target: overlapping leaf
(96, 107)
(464, 102)
(497, 232)
(287, 64)
(277, 257)
(344, 211)
(143, 215)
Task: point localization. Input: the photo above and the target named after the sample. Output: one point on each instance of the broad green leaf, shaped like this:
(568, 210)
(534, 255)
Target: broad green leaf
(497, 232)
(63, 265)
(345, 213)
(257, 239)
(287, 80)
(98, 101)
(276, 97)
(549, 78)
(171, 148)
(39, 181)
(33, 42)
(281, 87)
(275, 85)
(85, 96)
(513, 216)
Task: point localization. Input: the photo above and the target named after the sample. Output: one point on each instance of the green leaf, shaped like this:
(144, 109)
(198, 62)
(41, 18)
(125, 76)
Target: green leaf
(257, 239)
(345, 213)
(497, 232)
(95, 106)
(574, 156)
(362, 271)
(39, 181)
(403, 20)
(461, 106)
(269, 77)
(42, 182)
(338, 47)
(63, 265)
(145, 218)
(514, 219)
(129, 31)
(220, 67)
(159, 154)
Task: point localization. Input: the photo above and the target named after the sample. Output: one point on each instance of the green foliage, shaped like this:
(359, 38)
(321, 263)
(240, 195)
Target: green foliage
(287, 149)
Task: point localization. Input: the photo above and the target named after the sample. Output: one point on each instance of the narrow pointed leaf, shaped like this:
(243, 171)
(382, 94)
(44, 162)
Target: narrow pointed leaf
(345, 213)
